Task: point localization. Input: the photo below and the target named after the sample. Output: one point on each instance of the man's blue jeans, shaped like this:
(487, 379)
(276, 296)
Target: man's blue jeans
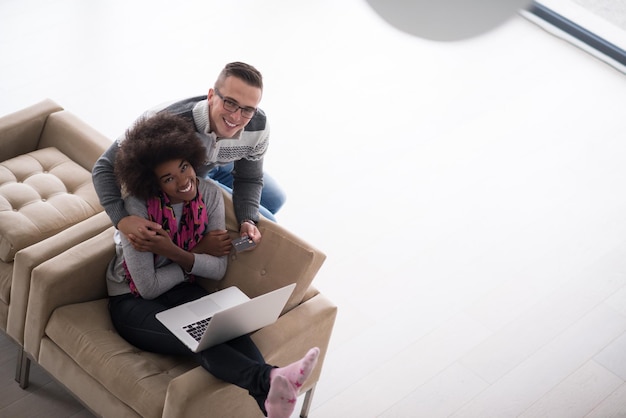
(272, 197)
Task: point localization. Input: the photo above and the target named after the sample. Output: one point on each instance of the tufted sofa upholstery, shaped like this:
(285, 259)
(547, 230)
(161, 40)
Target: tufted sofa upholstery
(69, 332)
(46, 157)
(42, 193)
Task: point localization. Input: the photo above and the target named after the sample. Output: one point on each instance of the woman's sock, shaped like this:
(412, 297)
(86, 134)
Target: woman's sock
(297, 373)
(281, 399)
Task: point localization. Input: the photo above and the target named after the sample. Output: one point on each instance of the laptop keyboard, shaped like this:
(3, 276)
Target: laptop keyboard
(196, 330)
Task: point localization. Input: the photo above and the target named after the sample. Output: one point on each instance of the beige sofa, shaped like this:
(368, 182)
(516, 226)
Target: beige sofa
(46, 157)
(69, 333)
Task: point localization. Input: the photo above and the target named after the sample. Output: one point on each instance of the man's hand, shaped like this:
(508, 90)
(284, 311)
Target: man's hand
(139, 231)
(251, 231)
(216, 243)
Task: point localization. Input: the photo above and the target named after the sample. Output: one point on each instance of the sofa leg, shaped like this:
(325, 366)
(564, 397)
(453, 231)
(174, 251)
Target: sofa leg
(308, 398)
(22, 369)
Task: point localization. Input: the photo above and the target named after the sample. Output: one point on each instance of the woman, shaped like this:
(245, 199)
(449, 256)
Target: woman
(156, 166)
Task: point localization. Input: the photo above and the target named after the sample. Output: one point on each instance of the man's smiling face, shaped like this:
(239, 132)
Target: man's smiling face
(224, 123)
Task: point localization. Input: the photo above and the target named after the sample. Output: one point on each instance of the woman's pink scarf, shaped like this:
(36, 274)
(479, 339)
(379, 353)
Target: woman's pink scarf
(194, 221)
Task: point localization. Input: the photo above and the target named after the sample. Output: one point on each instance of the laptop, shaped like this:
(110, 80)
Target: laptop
(223, 315)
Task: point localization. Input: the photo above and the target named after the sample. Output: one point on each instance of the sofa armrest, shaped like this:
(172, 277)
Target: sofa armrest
(280, 259)
(20, 131)
(30, 257)
(198, 393)
(74, 138)
(74, 276)
(308, 325)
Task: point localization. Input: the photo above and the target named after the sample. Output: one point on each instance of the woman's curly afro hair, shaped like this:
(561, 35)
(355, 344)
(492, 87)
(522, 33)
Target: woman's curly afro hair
(153, 141)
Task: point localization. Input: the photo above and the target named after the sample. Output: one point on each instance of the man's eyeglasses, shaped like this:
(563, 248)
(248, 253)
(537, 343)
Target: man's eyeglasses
(231, 106)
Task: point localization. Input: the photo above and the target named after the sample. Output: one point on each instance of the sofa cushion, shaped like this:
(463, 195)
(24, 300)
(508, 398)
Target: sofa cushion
(41, 193)
(140, 379)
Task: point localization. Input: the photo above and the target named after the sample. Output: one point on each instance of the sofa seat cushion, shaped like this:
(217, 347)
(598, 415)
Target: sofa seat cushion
(41, 193)
(140, 379)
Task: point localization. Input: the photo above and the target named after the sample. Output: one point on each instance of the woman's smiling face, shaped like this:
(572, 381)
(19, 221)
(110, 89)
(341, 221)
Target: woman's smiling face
(177, 179)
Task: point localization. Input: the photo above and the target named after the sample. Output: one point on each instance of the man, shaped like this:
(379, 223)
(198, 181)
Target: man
(236, 135)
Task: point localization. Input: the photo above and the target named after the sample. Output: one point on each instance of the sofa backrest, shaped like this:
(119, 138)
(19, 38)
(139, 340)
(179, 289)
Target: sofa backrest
(22, 130)
(74, 138)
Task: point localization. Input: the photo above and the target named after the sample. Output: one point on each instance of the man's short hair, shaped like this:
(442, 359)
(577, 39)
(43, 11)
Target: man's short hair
(242, 71)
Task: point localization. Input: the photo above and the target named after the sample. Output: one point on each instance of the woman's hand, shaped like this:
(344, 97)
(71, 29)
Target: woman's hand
(139, 231)
(216, 243)
(160, 243)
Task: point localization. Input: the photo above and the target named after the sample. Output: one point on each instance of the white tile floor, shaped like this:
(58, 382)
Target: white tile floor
(469, 196)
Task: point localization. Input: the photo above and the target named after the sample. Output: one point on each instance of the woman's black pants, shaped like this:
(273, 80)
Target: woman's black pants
(238, 361)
